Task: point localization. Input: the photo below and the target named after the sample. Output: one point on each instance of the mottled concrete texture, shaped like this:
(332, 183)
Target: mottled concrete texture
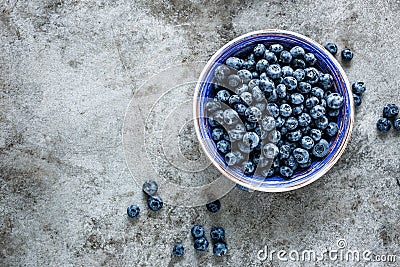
(68, 70)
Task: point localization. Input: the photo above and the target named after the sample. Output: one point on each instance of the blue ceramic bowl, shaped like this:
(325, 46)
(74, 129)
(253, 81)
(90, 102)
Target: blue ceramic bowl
(325, 61)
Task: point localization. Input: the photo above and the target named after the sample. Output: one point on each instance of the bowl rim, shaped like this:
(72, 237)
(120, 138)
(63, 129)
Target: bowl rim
(321, 171)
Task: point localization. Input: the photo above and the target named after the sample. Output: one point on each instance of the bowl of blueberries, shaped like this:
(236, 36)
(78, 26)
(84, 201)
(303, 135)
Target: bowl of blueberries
(273, 110)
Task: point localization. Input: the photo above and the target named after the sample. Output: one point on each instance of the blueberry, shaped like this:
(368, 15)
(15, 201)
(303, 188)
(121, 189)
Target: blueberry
(281, 90)
(268, 123)
(287, 71)
(262, 65)
(234, 81)
(279, 122)
(274, 109)
(299, 74)
(212, 122)
(285, 171)
(311, 75)
(390, 111)
(234, 99)
(213, 105)
(301, 155)
(273, 96)
(223, 96)
(251, 139)
(246, 98)
(150, 187)
(276, 48)
(332, 129)
(155, 203)
(253, 83)
(316, 134)
(271, 57)
(358, 87)
(255, 75)
(274, 71)
(284, 151)
(241, 89)
(334, 101)
(240, 108)
(294, 136)
(221, 72)
(317, 112)
(326, 81)
(291, 123)
(283, 131)
(333, 113)
(384, 125)
(270, 151)
(306, 165)
(217, 134)
(248, 167)
(230, 159)
(347, 54)
(297, 98)
(304, 87)
(285, 57)
(249, 65)
(297, 109)
(217, 234)
(274, 136)
(310, 58)
(266, 86)
(243, 188)
(290, 83)
(304, 119)
(332, 48)
(396, 124)
(259, 50)
(214, 206)
(298, 64)
(307, 142)
(357, 100)
(317, 92)
(297, 52)
(201, 244)
(285, 110)
(322, 122)
(220, 249)
(305, 130)
(312, 102)
(321, 149)
(253, 114)
(197, 231)
(245, 76)
(234, 62)
(178, 250)
(250, 125)
(223, 146)
(133, 211)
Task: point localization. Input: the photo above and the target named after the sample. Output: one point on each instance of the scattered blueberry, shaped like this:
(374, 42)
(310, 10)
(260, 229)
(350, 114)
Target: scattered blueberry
(384, 125)
(357, 100)
(133, 211)
(155, 203)
(217, 234)
(358, 87)
(347, 54)
(201, 244)
(390, 111)
(150, 187)
(396, 124)
(332, 48)
(214, 206)
(178, 250)
(197, 231)
(220, 249)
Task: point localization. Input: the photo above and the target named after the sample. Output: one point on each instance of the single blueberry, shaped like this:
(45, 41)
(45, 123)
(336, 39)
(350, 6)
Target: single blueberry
(276, 48)
(214, 206)
(217, 134)
(201, 244)
(297, 109)
(317, 112)
(213, 105)
(290, 83)
(281, 90)
(234, 62)
(384, 125)
(285, 110)
(250, 125)
(291, 123)
(255, 75)
(304, 87)
(270, 151)
(298, 64)
(301, 155)
(322, 122)
(248, 167)
(297, 98)
(197, 231)
(307, 142)
(274, 136)
(253, 83)
(297, 51)
(133, 211)
(234, 81)
(150, 187)
(262, 65)
(230, 159)
(287, 71)
(396, 124)
(274, 109)
(268, 123)
(246, 98)
(312, 102)
(251, 139)
(267, 85)
(221, 72)
(332, 129)
(306, 165)
(321, 149)
(241, 89)
(285, 57)
(304, 119)
(234, 99)
(223, 96)
(240, 108)
(334, 101)
(283, 131)
(178, 250)
(284, 151)
(212, 122)
(217, 234)
(347, 54)
(253, 114)
(245, 76)
(317, 92)
(259, 50)
(294, 136)
(299, 74)
(311, 75)
(358, 87)
(357, 100)
(334, 113)
(390, 111)
(310, 58)
(220, 249)
(279, 122)
(270, 56)
(155, 203)
(286, 171)
(231, 117)
(274, 71)
(316, 134)
(326, 81)
(332, 48)
(223, 146)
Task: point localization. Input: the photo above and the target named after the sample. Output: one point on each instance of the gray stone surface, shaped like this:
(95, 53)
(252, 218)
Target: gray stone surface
(68, 70)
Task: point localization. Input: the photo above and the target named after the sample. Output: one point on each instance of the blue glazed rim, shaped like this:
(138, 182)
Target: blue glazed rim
(325, 61)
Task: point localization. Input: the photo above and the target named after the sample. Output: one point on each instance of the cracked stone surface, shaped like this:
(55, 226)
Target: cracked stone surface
(68, 70)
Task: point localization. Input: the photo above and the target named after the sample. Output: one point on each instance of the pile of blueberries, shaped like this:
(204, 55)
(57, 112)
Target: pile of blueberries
(273, 110)
(201, 243)
(390, 112)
